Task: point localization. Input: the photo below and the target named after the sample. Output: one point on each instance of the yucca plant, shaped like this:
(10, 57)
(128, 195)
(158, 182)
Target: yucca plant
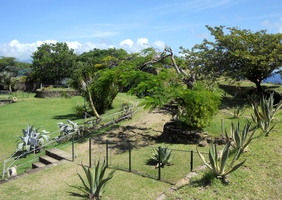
(94, 185)
(218, 161)
(241, 138)
(264, 112)
(32, 134)
(162, 155)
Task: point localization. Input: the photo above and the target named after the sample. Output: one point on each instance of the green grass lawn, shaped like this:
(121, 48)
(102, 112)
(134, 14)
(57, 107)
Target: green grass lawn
(43, 113)
(258, 178)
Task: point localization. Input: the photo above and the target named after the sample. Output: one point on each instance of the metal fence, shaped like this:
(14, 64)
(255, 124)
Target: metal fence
(138, 160)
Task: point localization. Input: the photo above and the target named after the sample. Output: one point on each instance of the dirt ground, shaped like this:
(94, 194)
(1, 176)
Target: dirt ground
(140, 131)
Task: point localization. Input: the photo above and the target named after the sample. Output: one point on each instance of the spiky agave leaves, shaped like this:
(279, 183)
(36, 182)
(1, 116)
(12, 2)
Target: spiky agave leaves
(162, 155)
(264, 113)
(94, 185)
(30, 133)
(238, 112)
(242, 138)
(218, 161)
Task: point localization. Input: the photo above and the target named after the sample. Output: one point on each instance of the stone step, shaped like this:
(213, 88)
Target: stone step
(38, 165)
(58, 154)
(47, 160)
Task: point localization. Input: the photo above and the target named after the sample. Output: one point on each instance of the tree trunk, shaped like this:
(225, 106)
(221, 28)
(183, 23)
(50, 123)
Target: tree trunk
(258, 85)
(92, 104)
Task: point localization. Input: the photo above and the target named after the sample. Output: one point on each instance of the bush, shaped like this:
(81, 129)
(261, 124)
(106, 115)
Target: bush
(103, 91)
(197, 107)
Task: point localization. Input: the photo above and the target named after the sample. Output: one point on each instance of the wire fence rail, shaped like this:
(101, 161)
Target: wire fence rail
(91, 124)
(139, 161)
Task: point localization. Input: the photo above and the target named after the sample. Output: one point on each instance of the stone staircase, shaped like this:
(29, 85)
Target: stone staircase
(52, 157)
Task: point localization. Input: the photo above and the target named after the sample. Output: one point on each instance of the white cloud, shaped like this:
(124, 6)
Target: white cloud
(23, 51)
(159, 44)
(142, 41)
(273, 25)
(140, 44)
(126, 43)
(18, 50)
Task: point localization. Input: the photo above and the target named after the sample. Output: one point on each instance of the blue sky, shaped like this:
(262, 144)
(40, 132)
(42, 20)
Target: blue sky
(131, 25)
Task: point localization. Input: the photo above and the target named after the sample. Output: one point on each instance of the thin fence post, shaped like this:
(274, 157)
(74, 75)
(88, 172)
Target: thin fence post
(107, 153)
(192, 160)
(159, 163)
(90, 153)
(129, 158)
(222, 125)
(4, 169)
(72, 148)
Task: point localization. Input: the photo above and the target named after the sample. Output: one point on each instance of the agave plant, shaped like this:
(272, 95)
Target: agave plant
(32, 138)
(238, 112)
(264, 113)
(94, 185)
(162, 155)
(69, 128)
(241, 138)
(218, 161)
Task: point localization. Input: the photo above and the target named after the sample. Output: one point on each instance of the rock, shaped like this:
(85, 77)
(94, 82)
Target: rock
(203, 143)
(179, 133)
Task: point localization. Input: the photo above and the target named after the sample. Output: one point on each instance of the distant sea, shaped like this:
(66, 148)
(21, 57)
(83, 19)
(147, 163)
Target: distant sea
(274, 79)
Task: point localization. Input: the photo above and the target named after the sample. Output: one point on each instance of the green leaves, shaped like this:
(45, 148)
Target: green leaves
(53, 62)
(94, 184)
(197, 107)
(239, 54)
(162, 155)
(264, 113)
(241, 138)
(218, 161)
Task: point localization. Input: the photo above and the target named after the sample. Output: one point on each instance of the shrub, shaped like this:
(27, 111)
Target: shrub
(79, 110)
(197, 107)
(103, 91)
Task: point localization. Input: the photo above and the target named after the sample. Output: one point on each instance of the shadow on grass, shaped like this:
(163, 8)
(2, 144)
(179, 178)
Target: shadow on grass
(123, 140)
(74, 194)
(207, 179)
(66, 117)
(151, 162)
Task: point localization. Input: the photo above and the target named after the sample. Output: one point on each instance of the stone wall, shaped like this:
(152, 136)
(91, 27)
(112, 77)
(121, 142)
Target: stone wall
(52, 94)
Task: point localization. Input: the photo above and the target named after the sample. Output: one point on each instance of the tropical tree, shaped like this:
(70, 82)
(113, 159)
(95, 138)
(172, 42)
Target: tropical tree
(195, 107)
(6, 63)
(7, 79)
(97, 77)
(53, 62)
(241, 54)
